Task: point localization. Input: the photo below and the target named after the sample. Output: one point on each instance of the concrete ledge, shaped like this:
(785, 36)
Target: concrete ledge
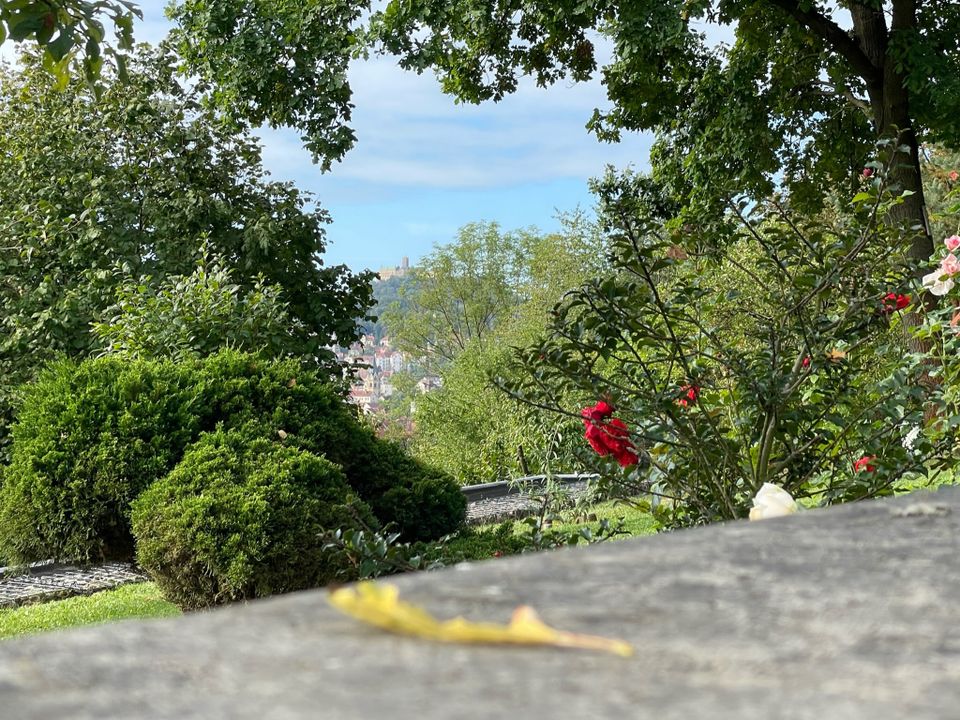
(844, 613)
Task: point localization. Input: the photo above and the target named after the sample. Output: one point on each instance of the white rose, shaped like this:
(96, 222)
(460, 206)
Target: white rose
(772, 501)
(910, 439)
(938, 283)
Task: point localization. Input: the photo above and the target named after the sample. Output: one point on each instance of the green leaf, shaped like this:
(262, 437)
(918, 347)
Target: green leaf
(25, 23)
(65, 41)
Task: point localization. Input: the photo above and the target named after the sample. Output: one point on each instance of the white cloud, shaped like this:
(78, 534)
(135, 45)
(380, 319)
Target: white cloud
(409, 134)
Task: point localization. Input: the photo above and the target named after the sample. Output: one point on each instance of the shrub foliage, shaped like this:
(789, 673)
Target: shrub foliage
(93, 435)
(241, 517)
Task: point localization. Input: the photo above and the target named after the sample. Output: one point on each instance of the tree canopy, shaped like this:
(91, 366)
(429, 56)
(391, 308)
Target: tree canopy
(95, 192)
(801, 93)
(68, 30)
(459, 292)
(798, 98)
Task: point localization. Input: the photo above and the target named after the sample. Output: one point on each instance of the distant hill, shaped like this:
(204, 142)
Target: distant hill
(386, 292)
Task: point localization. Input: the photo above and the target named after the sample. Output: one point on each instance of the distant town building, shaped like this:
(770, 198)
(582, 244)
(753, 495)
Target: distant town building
(373, 366)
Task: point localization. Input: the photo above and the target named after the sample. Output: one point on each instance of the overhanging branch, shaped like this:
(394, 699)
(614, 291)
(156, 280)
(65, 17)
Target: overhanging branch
(835, 36)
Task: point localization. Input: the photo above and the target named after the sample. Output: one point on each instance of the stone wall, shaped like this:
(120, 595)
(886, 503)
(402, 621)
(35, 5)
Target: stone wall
(849, 612)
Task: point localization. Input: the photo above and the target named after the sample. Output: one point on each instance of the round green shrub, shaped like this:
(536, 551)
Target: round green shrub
(93, 435)
(422, 502)
(241, 517)
(89, 438)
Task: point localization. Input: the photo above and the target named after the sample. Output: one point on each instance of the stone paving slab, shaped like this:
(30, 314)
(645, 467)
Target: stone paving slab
(514, 506)
(846, 613)
(52, 582)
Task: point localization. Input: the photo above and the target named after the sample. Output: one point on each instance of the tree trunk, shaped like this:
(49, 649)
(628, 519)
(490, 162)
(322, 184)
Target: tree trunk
(890, 102)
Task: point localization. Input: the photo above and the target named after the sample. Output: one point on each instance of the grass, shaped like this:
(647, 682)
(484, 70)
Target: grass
(143, 600)
(140, 600)
(509, 538)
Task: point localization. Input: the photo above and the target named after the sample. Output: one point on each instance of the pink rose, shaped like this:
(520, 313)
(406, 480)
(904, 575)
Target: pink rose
(950, 265)
(953, 176)
(867, 172)
(952, 242)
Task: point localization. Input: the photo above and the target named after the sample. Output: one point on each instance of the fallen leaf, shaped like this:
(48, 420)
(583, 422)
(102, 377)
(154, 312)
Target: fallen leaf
(380, 605)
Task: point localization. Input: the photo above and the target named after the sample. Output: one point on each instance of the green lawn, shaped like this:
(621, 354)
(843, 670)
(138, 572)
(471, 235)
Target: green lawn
(141, 600)
(485, 541)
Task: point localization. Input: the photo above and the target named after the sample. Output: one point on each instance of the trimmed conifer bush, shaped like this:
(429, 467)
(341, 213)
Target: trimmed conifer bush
(241, 517)
(91, 436)
(88, 439)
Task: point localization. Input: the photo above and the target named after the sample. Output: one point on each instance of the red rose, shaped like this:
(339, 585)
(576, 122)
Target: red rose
(608, 437)
(688, 394)
(600, 411)
(893, 302)
(867, 172)
(806, 362)
(865, 463)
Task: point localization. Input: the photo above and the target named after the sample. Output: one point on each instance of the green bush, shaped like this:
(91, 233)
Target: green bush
(92, 435)
(287, 402)
(776, 356)
(241, 517)
(422, 502)
(89, 438)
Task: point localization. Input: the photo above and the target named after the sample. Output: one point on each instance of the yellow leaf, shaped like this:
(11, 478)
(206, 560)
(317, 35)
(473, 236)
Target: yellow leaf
(380, 605)
(836, 355)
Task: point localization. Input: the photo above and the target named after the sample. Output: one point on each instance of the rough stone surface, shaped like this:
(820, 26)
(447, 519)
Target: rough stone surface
(49, 581)
(843, 613)
(515, 505)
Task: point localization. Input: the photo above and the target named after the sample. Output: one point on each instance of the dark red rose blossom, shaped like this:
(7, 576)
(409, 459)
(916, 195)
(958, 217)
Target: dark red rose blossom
(608, 435)
(806, 361)
(601, 411)
(894, 301)
(688, 394)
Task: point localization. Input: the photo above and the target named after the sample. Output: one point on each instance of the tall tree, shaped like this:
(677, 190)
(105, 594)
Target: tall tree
(94, 192)
(800, 96)
(457, 293)
(469, 427)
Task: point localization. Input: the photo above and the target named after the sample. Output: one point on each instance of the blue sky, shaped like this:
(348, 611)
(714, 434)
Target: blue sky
(423, 166)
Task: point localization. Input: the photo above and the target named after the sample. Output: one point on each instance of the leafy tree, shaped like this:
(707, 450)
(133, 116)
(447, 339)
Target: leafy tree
(459, 291)
(196, 315)
(93, 192)
(803, 90)
(801, 94)
(68, 29)
(469, 426)
(276, 62)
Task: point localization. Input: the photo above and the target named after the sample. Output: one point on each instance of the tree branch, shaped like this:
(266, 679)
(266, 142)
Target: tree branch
(836, 37)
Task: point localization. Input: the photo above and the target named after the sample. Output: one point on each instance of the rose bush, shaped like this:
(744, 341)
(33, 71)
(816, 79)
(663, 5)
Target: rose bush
(775, 353)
